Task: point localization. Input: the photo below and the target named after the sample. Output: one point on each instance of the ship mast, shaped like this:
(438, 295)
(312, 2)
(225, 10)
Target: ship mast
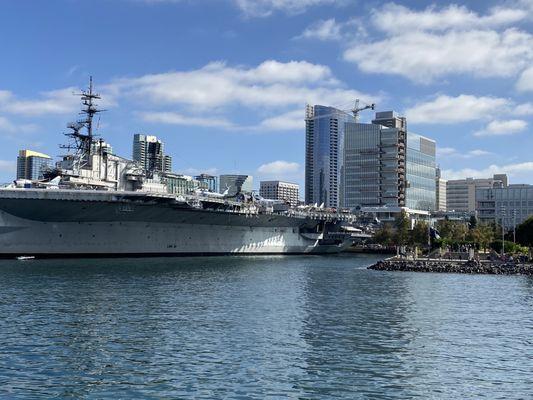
(87, 97)
(82, 143)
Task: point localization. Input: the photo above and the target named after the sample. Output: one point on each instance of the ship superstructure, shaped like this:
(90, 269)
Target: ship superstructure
(95, 203)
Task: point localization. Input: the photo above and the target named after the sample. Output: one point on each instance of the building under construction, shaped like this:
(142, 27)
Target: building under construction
(379, 164)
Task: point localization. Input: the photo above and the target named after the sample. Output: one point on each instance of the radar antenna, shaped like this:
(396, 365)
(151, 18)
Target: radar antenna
(82, 143)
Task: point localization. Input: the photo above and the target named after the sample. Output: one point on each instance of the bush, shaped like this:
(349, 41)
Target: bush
(510, 247)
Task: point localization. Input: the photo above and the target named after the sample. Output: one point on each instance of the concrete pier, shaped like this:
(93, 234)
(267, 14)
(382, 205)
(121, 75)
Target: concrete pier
(453, 266)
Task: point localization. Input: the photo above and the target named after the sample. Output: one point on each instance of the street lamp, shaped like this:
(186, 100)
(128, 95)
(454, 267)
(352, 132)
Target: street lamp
(514, 226)
(502, 209)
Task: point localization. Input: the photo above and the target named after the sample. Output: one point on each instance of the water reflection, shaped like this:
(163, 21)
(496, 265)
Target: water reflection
(274, 327)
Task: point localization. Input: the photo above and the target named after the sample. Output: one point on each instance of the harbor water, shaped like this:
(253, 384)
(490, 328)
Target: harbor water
(303, 327)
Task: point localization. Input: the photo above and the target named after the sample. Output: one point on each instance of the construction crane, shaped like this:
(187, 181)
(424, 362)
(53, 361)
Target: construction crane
(356, 110)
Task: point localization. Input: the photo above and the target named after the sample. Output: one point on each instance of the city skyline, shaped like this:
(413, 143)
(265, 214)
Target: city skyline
(238, 106)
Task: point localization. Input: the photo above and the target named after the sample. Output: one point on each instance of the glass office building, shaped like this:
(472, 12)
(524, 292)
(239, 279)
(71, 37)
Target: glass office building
(32, 165)
(420, 173)
(509, 205)
(372, 173)
(385, 166)
(324, 141)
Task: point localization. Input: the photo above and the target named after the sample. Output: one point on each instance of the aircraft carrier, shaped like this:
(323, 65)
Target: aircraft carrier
(96, 204)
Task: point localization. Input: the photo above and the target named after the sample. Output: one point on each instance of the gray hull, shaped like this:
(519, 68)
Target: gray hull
(47, 223)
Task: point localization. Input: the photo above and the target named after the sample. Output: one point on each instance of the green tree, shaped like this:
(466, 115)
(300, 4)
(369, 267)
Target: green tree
(510, 247)
(384, 235)
(524, 232)
(459, 232)
(419, 234)
(445, 229)
(452, 232)
(482, 235)
(401, 224)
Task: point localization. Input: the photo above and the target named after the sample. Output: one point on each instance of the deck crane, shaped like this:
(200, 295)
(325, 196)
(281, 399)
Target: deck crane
(356, 110)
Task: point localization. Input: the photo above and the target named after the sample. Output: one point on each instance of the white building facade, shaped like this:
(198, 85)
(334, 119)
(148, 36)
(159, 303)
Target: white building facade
(279, 190)
(461, 193)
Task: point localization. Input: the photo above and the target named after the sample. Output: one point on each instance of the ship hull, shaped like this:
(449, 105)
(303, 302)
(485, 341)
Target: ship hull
(44, 226)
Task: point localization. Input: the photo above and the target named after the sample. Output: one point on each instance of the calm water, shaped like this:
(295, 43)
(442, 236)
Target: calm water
(260, 327)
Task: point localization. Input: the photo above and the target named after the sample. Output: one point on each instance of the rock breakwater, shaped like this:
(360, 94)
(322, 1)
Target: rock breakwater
(453, 266)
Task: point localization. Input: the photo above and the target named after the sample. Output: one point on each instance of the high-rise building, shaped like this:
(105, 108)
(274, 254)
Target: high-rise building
(102, 146)
(148, 151)
(279, 190)
(440, 186)
(373, 175)
(32, 165)
(236, 184)
(461, 193)
(507, 205)
(210, 181)
(324, 141)
(390, 119)
(386, 166)
(420, 193)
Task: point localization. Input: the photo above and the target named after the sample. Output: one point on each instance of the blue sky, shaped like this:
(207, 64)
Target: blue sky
(224, 83)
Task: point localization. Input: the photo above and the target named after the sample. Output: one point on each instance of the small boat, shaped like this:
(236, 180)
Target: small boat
(24, 258)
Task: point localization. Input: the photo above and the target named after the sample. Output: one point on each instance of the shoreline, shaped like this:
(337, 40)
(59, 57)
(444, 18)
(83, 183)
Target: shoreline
(453, 266)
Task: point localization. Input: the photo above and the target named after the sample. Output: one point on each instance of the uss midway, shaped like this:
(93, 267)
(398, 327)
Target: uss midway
(96, 204)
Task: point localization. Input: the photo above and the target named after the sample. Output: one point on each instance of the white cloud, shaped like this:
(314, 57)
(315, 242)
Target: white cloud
(204, 97)
(500, 128)
(271, 84)
(394, 18)
(479, 152)
(453, 152)
(514, 170)
(264, 8)
(327, 29)
(523, 109)
(424, 56)
(450, 110)
(446, 151)
(272, 71)
(279, 168)
(9, 127)
(423, 45)
(174, 118)
(525, 82)
(60, 101)
(330, 29)
(292, 120)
